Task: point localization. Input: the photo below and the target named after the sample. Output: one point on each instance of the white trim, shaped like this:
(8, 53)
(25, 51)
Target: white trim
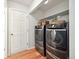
(30, 48)
(19, 10)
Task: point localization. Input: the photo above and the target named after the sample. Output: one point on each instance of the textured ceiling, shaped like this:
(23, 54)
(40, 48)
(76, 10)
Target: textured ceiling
(23, 2)
(50, 4)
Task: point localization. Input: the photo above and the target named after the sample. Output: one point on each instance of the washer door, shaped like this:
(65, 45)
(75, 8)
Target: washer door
(59, 39)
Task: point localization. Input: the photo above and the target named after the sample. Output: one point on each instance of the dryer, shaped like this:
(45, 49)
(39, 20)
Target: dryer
(40, 40)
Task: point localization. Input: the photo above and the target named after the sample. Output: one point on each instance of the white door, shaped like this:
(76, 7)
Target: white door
(18, 31)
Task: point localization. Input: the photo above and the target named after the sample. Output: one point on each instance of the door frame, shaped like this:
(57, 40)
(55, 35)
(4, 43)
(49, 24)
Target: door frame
(9, 41)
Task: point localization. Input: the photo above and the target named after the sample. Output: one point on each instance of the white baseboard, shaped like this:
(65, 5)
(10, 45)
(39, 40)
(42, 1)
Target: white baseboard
(31, 48)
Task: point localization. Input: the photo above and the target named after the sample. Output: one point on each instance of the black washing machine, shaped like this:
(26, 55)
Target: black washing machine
(57, 41)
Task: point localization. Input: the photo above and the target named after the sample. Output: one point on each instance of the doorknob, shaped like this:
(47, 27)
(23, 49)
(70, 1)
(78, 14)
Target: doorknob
(11, 34)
